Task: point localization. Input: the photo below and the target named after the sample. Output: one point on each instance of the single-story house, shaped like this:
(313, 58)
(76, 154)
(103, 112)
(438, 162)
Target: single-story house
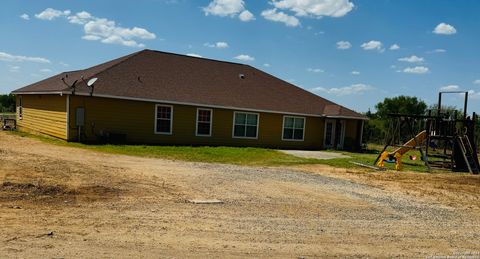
(153, 97)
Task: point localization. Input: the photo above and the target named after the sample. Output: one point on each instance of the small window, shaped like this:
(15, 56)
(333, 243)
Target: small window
(245, 125)
(163, 119)
(293, 128)
(204, 122)
(20, 107)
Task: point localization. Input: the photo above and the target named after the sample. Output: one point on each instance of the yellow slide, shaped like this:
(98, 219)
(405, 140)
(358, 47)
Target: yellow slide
(411, 143)
(397, 154)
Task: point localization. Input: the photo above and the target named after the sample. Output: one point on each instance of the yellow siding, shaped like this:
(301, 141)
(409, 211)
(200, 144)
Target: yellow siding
(136, 120)
(44, 114)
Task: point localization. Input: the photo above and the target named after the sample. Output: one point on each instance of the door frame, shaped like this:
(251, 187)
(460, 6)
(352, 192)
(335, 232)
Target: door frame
(332, 140)
(335, 143)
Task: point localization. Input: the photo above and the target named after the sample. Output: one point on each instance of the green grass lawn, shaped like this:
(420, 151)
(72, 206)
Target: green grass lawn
(232, 155)
(7, 113)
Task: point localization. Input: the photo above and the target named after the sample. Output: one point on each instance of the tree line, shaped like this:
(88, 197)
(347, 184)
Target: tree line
(378, 124)
(7, 103)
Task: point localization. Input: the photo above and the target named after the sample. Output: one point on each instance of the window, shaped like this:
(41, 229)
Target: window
(204, 122)
(293, 128)
(245, 125)
(163, 119)
(20, 107)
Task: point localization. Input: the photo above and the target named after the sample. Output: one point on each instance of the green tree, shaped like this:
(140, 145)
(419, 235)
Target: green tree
(446, 109)
(400, 104)
(7, 103)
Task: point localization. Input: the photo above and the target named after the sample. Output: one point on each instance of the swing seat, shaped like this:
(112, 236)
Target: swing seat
(390, 161)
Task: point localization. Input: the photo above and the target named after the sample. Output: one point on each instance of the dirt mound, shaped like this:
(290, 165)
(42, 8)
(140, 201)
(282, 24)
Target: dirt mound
(13, 191)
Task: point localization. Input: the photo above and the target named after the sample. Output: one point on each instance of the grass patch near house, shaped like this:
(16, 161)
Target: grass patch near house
(369, 157)
(229, 155)
(7, 114)
(235, 155)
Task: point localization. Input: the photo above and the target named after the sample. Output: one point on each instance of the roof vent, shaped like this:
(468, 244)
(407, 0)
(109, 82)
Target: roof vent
(241, 76)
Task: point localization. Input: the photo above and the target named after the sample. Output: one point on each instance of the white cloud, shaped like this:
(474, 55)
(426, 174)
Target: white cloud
(394, 47)
(230, 8)
(444, 29)
(80, 18)
(412, 59)
(450, 88)
(13, 58)
(101, 29)
(246, 16)
(106, 31)
(63, 64)
(244, 57)
(224, 7)
(473, 94)
(315, 70)
(50, 14)
(266, 65)
(355, 73)
(347, 90)
(343, 44)
(45, 70)
(273, 15)
(194, 55)
(90, 37)
(437, 51)
(477, 82)
(25, 16)
(373, 45)
(416, 70)
(13, 69)
(219, 45)
(315, 8)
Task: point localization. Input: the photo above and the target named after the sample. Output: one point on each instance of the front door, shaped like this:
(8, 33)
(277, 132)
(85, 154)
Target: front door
(334, 133)
(329, 139)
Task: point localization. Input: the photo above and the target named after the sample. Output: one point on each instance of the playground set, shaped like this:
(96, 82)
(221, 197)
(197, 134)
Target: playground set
(444, 140)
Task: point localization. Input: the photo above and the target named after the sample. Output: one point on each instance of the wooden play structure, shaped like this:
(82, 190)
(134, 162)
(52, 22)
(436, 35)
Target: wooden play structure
(444, 140)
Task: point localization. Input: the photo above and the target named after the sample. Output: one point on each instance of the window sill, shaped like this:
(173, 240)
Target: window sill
(295, 140)
(244, 137)
(163, 133)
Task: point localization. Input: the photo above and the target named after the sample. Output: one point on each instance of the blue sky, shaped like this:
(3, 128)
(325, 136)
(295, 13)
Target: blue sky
(353, 52)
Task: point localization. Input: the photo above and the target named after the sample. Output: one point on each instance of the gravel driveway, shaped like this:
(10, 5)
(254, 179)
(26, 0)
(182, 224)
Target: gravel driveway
(69, 202)
(314, 154)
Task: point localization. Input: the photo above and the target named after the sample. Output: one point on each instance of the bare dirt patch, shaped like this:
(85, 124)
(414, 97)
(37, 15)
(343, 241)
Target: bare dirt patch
(67, 202)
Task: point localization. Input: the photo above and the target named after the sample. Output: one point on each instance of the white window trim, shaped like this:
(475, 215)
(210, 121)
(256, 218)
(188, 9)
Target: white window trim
(233, 124)
(211, 123)
(294, 117)
(171, 119)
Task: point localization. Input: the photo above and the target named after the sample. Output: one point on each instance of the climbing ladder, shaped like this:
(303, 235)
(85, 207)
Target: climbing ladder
(468, 154)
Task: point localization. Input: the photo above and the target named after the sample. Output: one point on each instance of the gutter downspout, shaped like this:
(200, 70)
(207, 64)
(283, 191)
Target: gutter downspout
(68, 117)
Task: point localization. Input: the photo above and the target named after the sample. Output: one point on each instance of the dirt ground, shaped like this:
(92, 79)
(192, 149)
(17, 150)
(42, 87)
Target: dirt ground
(61, 202)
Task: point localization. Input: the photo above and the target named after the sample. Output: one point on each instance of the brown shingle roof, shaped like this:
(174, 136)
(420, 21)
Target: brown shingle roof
(154, 75)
